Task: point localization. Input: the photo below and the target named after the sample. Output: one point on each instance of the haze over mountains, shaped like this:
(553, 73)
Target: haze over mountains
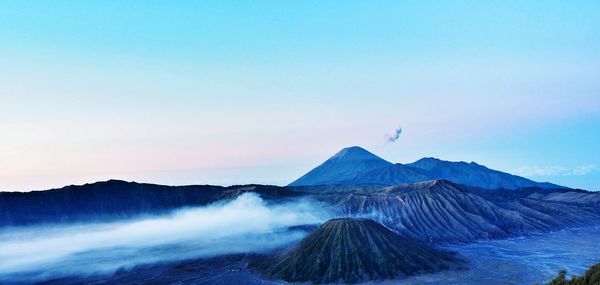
(357, 166)
(389, 221)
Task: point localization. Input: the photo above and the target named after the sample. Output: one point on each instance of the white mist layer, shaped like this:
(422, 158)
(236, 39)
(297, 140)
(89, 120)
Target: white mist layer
(246, 224)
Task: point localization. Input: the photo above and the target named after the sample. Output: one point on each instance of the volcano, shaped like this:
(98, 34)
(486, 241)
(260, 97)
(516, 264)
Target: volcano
(357, 166)
(346, 165)
(355, 250)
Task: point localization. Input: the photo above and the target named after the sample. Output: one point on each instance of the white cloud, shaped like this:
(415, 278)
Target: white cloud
(555, 170)
(583, 170)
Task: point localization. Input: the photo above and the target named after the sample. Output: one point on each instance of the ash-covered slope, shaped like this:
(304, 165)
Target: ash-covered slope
(441, 211)
(355, 250)
(344, 166)
(390, 175)
(356, 166)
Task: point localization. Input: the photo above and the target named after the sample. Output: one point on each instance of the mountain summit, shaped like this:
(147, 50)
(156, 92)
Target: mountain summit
(357, 166)
(344, 166)
(355, 153)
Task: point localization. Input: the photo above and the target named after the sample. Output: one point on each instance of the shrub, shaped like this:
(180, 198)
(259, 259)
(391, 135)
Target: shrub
(590, 277)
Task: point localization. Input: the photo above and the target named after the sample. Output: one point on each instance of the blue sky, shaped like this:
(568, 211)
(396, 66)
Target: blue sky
(230, 92)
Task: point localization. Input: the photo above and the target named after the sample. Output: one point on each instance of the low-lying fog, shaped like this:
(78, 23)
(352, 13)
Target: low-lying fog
(246, 224)
(249, 224)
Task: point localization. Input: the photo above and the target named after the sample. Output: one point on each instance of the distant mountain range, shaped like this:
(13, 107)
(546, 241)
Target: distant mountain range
(357, 166)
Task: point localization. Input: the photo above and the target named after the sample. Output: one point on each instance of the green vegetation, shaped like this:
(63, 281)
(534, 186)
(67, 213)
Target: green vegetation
(591, 277)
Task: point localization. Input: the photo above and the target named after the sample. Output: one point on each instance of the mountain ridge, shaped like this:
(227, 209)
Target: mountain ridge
(361, 167)
(116, 199)
(441, 211)
(438, 210)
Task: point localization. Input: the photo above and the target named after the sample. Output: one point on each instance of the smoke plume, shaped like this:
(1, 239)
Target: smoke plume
(394, 136)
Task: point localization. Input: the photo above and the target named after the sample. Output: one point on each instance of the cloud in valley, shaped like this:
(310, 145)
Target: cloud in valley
(246, 224)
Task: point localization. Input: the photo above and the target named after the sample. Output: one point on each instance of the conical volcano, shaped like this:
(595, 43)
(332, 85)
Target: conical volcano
(355, 250)
(344, 166)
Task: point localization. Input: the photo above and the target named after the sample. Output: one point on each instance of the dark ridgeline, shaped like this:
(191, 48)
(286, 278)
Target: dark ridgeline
(357, 166)
(115, 199)
(435, 211)
(354, 250)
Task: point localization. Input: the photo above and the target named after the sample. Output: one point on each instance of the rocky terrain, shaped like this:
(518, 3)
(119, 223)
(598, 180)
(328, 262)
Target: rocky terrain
(354, 250)
(442, 211)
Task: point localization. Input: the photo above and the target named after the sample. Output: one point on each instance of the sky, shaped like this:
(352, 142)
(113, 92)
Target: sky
(234, 92)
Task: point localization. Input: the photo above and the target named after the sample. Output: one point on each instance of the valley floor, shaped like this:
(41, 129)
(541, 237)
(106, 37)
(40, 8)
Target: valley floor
(523, 260)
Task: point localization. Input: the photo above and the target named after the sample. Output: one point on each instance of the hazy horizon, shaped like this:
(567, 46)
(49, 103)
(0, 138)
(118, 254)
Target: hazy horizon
(210, 176)
(262, 92)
